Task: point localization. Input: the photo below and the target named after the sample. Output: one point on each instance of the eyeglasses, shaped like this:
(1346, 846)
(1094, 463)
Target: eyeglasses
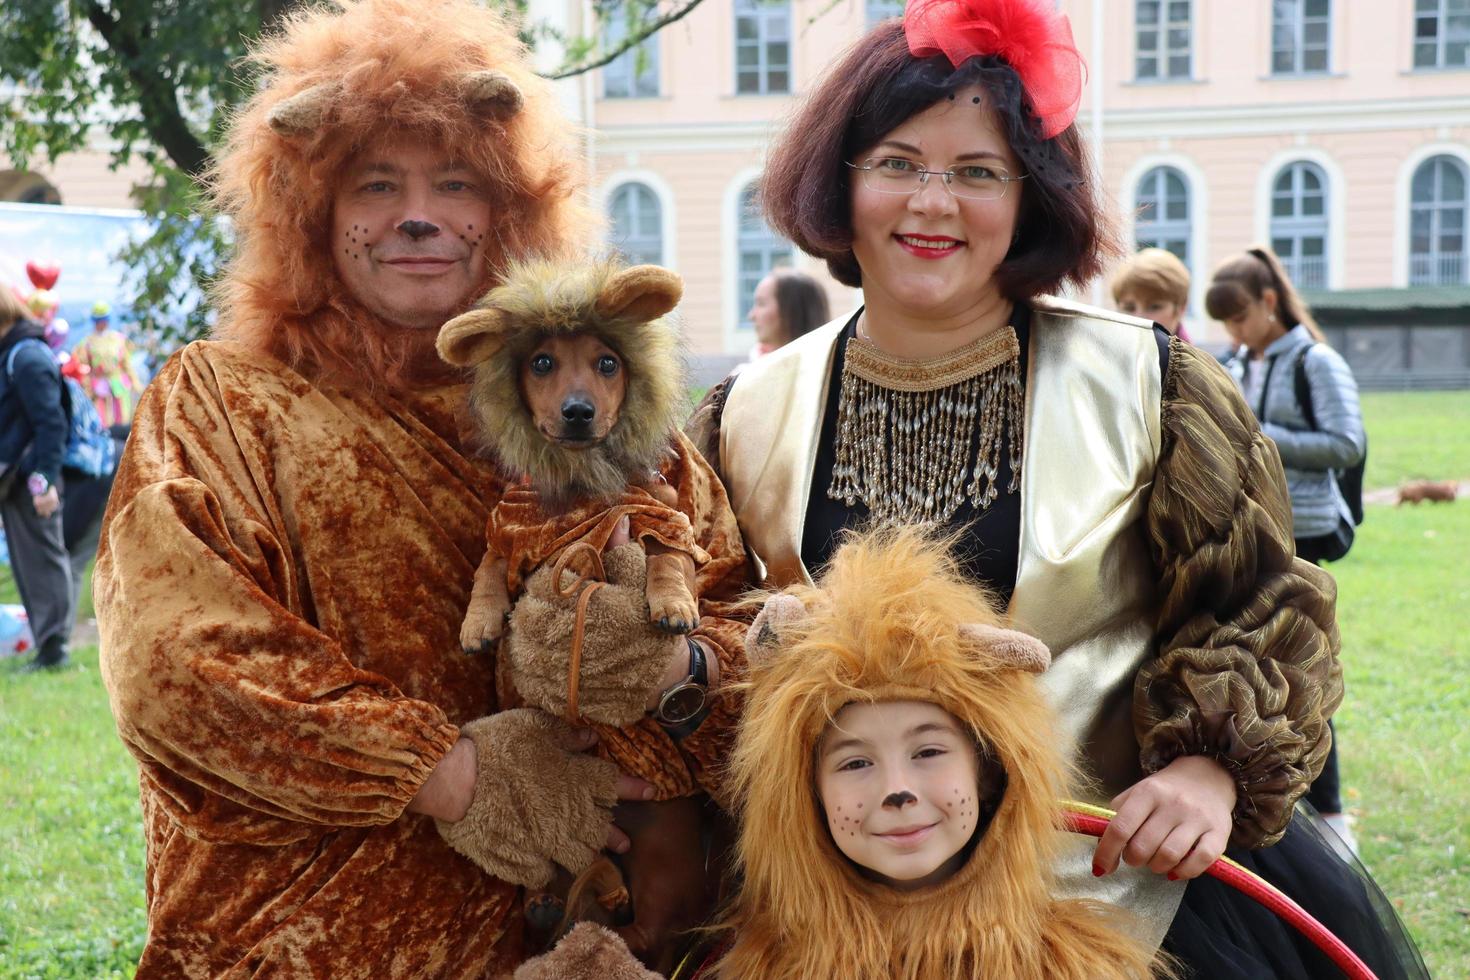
(972, 181)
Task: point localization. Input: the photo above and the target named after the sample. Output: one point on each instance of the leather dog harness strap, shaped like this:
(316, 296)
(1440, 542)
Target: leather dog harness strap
(588, 582)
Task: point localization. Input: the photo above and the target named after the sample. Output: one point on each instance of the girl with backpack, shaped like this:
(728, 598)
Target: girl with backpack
(1304, 395)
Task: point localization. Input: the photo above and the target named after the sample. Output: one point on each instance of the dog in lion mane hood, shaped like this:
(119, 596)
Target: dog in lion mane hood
(584, 448)
(893, 619)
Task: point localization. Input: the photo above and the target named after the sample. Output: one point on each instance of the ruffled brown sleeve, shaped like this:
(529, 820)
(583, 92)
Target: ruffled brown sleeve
(1247, 671)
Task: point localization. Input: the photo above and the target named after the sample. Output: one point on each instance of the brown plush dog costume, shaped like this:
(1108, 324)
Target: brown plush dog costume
(894, 619)
(578, 388)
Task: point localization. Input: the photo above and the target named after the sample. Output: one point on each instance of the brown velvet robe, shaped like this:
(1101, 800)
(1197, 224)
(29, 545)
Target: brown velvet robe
(282, 575)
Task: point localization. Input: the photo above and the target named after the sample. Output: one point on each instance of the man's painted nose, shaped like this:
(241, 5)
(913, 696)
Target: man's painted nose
(417, 229)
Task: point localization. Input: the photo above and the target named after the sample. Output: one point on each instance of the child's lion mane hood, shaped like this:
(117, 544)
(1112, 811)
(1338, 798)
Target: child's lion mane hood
(894, 618)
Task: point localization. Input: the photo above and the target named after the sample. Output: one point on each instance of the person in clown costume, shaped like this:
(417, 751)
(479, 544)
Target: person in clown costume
(113, 384)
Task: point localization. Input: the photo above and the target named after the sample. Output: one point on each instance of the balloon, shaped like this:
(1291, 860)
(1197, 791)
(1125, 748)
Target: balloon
(42, 304)
(56, 332)
(43, 276)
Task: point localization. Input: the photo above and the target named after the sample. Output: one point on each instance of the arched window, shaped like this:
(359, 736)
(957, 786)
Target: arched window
(1163, 212)
(759, 249)
(1299, 223)
(637, 224)
(1437, 207)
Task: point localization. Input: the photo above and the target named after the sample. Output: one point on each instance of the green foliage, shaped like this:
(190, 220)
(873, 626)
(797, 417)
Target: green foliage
(1415, 435)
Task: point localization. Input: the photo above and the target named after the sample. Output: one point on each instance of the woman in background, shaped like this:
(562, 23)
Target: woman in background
(788, 304)
(1253, 297)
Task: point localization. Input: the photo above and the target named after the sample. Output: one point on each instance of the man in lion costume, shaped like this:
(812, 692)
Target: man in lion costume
(291, 539)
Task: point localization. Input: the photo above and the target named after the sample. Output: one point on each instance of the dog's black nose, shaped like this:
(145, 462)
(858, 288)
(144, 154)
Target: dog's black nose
(578, 411)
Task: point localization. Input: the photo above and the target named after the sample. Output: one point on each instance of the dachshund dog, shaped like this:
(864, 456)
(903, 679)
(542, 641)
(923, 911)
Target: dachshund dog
(1417, 490)
(578, 388)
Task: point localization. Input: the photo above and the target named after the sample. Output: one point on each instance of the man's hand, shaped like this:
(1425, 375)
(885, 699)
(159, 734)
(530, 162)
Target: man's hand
(625, 661)
(46, 503)
(534, 798)
(1176, 821)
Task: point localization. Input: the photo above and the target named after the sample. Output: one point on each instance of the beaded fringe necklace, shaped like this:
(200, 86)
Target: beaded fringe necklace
(916, 439)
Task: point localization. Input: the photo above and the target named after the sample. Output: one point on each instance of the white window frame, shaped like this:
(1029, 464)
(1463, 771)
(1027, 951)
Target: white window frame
(624, 68)
(1162, 53)
(738, 335)
(1336, 190)
(1297, 226)
(1297, 26)
(1440, 17)
(1402, 198)
(1199, 205)
(646, 248)
(1461, 259)
(772, 19)
(665, 194)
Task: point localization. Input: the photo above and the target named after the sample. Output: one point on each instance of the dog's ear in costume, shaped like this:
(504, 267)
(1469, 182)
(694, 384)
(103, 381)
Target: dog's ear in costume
(491, 93)
(763, 639)
(303, 114)
(473, 338)
(641, 293)
(1021, 650)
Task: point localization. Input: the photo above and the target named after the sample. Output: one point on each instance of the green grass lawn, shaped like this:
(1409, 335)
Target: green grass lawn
(71, 880)
(1416, 435)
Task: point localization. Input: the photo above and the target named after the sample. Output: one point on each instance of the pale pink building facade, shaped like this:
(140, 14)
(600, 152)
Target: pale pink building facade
(1223, 123)
(1330, 127)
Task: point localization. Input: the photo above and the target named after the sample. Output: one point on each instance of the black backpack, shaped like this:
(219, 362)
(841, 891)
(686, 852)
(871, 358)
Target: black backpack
(1350, 480)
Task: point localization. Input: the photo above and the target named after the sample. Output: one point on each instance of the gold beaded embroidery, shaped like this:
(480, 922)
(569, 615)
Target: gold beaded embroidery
(915, 439)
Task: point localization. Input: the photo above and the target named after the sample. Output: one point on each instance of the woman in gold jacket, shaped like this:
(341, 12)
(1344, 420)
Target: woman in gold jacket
(1111, 485)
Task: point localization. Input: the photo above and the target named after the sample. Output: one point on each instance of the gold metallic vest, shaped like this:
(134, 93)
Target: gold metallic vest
(1084, 585)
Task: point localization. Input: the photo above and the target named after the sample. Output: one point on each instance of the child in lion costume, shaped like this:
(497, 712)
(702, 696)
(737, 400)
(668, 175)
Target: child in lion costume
(898, 776)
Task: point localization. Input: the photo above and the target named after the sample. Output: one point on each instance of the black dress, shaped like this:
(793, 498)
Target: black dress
(1218, 932)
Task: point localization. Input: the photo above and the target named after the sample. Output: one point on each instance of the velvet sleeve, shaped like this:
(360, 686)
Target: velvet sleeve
(253, 723)
(1247, 670)
(722, 581)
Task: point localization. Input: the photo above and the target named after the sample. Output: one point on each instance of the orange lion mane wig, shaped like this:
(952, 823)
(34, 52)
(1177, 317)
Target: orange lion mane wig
(894, 618)
(374, 69)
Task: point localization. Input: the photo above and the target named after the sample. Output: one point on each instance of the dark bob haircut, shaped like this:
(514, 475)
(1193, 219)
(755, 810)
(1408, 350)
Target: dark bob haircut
(1063, 234)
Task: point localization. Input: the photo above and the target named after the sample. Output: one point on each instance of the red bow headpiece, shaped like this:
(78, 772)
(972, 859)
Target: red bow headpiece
(1033, 39)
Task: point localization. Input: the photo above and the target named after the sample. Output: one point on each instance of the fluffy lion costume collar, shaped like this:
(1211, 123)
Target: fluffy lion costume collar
(893, 618)
(336, 79)
(627, 309)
